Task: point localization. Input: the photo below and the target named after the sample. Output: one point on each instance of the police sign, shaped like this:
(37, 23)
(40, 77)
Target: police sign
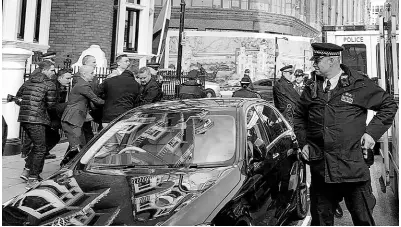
(353, 39)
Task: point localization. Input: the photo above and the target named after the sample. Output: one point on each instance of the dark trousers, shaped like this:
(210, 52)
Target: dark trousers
(74, 135)
(358, 198)
(87, 131)
(36, 158)
(52, 139)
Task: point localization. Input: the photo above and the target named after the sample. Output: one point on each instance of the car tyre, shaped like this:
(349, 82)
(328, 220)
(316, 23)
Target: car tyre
(210, 93)
(301, 196)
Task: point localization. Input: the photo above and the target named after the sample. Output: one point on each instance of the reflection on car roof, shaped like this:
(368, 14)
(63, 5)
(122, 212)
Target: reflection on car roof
(190, 104)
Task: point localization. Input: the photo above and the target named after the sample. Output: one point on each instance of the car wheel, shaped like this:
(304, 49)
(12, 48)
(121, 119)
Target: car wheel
(210, 93)
(301, 196)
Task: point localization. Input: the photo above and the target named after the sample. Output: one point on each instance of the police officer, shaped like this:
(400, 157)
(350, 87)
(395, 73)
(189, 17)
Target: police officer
(191, 89)
(331, 128)
(246, 75)
(284, 94)
(245, 91)
(299, 84)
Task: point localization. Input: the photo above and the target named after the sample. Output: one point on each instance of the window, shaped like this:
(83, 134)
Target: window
(37, 21)
(275, 125)
(216, 3)
(203, 3)
(257, 139)
(355, 57)
(131, 30)
(235, 4)
(21, 19)
(244, 4)
(226, 4)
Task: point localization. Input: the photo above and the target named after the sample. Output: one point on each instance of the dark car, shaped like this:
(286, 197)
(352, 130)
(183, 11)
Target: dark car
(265, 88)
(190, 162)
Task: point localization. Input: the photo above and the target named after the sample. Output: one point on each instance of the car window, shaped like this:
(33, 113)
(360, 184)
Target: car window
(166, 138)
(257, 139)
(265, 83)
(273, 122)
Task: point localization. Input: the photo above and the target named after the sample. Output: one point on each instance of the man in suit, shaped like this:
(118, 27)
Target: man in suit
(77, 108)
(120, 91)
(151, 91)
(87, 130)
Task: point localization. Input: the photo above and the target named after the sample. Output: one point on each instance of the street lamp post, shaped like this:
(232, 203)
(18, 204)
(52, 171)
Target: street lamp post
(179, 57)
(276, 55)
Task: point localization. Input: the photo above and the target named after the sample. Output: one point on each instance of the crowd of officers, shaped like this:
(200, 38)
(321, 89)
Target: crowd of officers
(328, 112)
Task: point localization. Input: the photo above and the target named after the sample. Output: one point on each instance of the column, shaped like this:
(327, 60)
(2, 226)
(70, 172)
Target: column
(350, 11)
(30, 20)
(45, 22)
(143, 33)
(13, 77)
(10, 19)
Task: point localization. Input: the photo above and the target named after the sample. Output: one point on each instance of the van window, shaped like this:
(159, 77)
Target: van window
(354, 56)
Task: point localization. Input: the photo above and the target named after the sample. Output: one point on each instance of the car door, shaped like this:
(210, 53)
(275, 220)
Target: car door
(284, 157)
(259, 165)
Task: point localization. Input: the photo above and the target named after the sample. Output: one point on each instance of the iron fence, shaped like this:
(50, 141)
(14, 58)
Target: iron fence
(169, 82)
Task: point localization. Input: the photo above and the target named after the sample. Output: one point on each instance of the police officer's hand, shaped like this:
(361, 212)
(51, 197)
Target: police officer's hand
(367, 142)
(305, 152)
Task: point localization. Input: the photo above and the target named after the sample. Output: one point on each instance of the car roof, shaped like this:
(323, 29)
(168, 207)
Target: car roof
(191, 104)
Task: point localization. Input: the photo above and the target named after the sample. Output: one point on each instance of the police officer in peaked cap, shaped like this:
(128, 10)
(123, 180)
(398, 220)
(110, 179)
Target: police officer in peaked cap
(284, 94)
(330, 124)
(245, 91)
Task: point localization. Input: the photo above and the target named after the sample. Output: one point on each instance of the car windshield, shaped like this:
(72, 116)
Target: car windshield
(169, 138)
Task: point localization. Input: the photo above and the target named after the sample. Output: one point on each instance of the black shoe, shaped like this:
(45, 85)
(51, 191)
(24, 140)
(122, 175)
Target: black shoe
(69, 156)
(50, 156)
(338, 213)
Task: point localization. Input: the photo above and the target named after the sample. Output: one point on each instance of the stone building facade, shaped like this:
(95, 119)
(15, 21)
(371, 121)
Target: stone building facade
(287, 17)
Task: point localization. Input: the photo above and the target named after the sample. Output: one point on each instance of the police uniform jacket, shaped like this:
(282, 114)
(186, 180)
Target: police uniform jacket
(284, 94)
(78, 103)
(191, 90)
(246, 93)
(333, 126)
(37, 94)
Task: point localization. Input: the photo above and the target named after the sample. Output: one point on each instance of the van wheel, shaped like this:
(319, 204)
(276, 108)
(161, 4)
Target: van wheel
(301, 196)
(210, 93)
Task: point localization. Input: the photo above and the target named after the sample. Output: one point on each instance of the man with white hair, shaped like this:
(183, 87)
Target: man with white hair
(150, 90)
(77, 108)
(87, 126)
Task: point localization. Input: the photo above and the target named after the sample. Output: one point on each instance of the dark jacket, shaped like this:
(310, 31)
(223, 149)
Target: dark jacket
(246, 93)
(56, 111)
(151, 92)
(120, 94)
(191, 90)
(78, 103)
(38, 94)
(250, 86)
(284, 94)
(334, 126)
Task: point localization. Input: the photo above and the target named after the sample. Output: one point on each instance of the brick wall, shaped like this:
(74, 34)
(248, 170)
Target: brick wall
(77, 24)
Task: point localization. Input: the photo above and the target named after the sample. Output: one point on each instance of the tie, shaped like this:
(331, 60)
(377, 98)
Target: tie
(327, 88)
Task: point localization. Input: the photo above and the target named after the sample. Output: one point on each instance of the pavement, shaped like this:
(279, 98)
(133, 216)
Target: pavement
(12, 184)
